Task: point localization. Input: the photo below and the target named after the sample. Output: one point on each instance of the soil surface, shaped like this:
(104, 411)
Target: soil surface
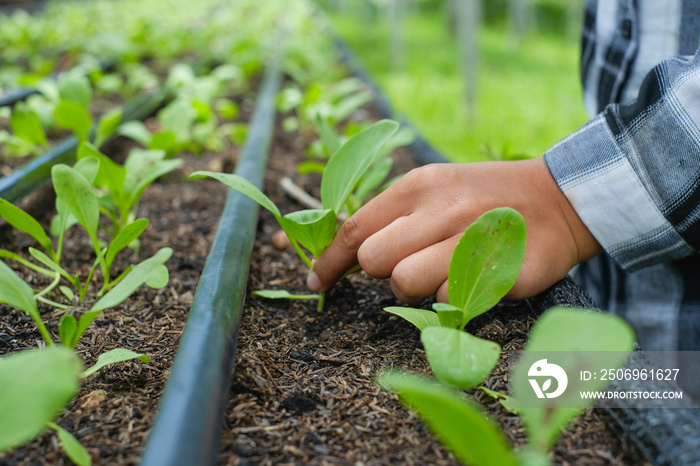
(303, 390)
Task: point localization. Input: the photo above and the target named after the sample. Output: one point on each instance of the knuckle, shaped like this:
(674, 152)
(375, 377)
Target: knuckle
(369, 261)
(350, 234)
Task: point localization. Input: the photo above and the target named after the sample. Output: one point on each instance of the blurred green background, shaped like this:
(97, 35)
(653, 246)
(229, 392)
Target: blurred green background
(522, 70)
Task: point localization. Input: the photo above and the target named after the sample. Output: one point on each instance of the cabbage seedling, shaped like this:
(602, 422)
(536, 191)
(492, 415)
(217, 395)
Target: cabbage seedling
(125, 184)
(314, 229)
(484, 266)
(465, 429)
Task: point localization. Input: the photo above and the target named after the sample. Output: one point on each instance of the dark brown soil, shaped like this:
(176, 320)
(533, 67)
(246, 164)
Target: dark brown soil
(303, 390)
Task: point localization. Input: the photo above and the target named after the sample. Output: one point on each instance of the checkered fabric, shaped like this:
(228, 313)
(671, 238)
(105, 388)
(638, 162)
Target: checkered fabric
(633, 171)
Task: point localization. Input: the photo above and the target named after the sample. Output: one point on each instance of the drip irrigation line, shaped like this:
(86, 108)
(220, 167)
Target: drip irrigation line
(16, 95)
(12, 96)
(188, 427)
(30, 176)
(665, 436)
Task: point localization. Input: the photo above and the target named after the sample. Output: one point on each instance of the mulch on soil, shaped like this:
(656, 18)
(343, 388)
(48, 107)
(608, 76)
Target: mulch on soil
(302, 391)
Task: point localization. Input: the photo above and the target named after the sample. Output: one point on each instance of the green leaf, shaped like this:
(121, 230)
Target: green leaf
(75, 192)
(457, 358)
(458, 423)
(581, 340)
(178, 118)
(502, 398)
(314, 229)
(67, 327)
(108, 125)
(164, 140)
(74, 450)
(373, 179)
(283, 294)
(76, 89)
(349, 163)
(421, 318)
(74, 117)
(114, 356)
(63, 219)
(329, 138)
(486, 261)
(26, 125)
(137, 277)
(128, 234)
(244, 187)
(310, 166)
(35, 385)
(48, 262)
(349, 104)
(88, 167)
(449, 315)
(25, 223)
(110, 174)
(159, 278)
(143, 167)
(15, 292)
(137, 131)
(67, 292)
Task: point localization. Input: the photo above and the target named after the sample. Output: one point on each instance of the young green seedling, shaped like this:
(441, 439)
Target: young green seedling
(578, 335)
(375, 177)
(17, 293)
(75, 203)
(125, 184)
(314, 228)
(484, 266)
(38, 384)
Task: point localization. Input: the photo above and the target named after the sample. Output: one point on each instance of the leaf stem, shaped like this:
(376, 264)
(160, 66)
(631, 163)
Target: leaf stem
(321, 301)
(11, 255)
(54, 283)
(303, 256)
(53, 303)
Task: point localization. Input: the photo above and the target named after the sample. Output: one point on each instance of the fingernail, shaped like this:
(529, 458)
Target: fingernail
(313, 282)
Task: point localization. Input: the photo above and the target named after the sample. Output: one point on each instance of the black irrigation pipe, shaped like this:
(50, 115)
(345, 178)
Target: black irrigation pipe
(665, 436)
(35, 173)
(16, 95)
(12, 96)
(188, 427)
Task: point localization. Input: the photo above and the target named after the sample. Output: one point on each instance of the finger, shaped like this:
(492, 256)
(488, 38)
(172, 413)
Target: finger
(421, 274)
(382, 252)
(341, 254)
(441, 294)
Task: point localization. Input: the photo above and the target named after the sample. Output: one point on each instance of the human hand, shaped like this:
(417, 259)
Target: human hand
(409, 231)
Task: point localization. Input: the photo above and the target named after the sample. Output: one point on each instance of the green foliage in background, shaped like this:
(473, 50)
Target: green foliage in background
(528, 91)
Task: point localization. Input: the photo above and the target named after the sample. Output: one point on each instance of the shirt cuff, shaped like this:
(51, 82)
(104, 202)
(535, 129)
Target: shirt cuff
(609, 197)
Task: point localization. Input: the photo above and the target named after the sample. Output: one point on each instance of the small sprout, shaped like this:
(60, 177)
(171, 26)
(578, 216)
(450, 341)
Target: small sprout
(314, 229)
(484, 267)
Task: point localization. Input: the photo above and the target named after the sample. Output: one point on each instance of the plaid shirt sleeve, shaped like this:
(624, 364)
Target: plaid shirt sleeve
(632, 173)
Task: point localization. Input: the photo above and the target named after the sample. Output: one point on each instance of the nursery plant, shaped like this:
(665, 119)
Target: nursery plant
(75, 203)
(578, 335)
(121, 186)
(314, 229)
(51, 374)
(484, 266)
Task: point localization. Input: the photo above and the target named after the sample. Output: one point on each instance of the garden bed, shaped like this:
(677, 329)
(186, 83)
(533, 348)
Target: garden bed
(302, 391)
